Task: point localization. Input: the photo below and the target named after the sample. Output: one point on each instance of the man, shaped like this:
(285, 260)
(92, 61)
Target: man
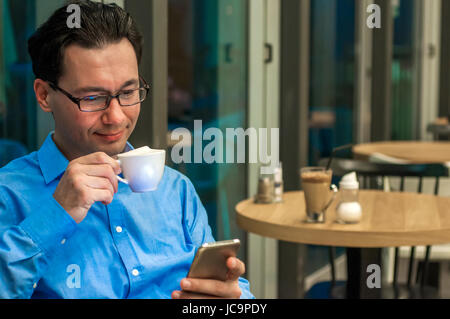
(68, 229)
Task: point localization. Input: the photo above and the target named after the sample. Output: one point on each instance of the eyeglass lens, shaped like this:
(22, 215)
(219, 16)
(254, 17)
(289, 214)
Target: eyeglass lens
(126, 98)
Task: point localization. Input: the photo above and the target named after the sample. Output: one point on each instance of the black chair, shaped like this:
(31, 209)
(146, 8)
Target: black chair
(10, 150)
(371, 176)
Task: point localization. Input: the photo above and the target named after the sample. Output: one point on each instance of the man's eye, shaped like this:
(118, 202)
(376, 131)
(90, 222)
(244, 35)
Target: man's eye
(126, 93)
(91, 98)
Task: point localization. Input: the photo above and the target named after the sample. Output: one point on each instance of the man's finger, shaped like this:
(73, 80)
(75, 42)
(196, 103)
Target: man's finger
(100, 183)
(205, 286)
(102, 195)
(99, 158)
(236, 268)
(222, 289)
(102, 170)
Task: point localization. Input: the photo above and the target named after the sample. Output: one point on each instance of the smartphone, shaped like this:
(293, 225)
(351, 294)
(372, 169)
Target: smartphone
(210, 259)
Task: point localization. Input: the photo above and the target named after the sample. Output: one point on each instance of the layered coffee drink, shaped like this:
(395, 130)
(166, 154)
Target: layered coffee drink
(316, 183)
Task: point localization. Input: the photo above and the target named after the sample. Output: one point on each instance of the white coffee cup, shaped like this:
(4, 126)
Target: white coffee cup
(142, 168)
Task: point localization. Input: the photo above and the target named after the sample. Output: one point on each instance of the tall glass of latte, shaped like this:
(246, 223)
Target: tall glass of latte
(319, 192)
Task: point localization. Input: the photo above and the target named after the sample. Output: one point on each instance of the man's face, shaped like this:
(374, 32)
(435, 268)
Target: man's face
(87, 72)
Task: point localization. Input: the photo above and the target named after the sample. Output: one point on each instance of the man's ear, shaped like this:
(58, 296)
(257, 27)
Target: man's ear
(41, 89)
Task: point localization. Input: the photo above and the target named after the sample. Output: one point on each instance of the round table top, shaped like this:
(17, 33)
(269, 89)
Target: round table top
(388, 219)
(416, 152)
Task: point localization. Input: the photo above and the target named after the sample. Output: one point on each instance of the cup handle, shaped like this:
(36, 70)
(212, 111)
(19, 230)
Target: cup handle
(123, 180)
(335, 190)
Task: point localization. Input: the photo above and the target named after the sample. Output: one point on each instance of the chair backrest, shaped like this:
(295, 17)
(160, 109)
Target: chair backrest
(10, 150)
(366, 170)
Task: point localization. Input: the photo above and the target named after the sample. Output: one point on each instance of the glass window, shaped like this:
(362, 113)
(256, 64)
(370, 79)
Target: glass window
(207, 83)
(17, 102)
(332, 62)
(332, 84)
(403, 64)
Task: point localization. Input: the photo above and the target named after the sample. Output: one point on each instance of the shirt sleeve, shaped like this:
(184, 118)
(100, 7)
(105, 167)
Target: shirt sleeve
(200, 231)
(195, 217)
(245, 289)
(27, 248)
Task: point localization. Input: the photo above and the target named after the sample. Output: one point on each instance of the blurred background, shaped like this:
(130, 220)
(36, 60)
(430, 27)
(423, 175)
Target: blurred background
(312, 68)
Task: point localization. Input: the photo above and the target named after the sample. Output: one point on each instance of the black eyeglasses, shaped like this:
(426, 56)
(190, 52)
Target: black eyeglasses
(94, 103)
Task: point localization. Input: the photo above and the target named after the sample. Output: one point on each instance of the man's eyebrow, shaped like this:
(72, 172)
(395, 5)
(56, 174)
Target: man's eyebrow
(89, 89)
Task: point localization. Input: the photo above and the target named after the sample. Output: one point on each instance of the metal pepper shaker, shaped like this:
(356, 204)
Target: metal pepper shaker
(265, 190)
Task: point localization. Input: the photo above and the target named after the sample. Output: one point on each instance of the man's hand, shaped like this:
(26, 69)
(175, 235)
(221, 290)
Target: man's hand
(193, 288)
(88, 179)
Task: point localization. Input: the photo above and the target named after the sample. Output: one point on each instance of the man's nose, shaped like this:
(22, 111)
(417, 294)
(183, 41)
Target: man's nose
(114, 113)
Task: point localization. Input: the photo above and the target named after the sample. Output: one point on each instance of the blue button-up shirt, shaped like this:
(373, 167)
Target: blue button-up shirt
(139, 246)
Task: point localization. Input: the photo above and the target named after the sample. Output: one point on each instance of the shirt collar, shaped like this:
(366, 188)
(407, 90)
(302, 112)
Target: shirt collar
(52, 162)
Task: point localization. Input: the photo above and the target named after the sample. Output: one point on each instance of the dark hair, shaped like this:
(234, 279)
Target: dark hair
(101, 24)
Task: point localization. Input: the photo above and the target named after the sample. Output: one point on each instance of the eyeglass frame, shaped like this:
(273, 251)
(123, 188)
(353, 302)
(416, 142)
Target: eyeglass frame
(108, 100)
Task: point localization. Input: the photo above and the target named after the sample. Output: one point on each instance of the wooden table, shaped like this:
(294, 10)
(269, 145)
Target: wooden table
(416, 152)
(389, 219)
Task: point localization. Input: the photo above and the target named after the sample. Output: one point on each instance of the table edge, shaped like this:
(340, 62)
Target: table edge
(345, 239)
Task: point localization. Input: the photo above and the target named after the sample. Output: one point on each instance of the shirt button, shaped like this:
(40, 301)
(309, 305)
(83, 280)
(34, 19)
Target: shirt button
(63, 241)
(135, 272)
(118, 229)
